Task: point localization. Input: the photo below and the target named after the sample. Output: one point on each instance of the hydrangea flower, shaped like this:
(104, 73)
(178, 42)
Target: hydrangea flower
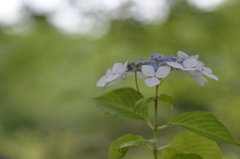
(123, 76)
(117, 70)
(198, 78)
(200, 66)
(153, 79)
(157, 67)
(206, 71)
(102, 82)
(187, 65)
(185, 56)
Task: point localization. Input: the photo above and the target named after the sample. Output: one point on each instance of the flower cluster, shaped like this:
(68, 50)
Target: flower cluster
(158, 67)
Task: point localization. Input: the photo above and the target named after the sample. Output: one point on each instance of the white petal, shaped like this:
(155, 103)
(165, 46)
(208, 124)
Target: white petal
(200, 80)
(112, 77)
(141, 75)
(189, 69)
(163, 71)
(101, 82)
(194, 57)
(148, 70)
(190, 63)
(199, 66)
(182, 55)
(125, 75)
(114, 82)
(210, 75)
(200, 63)
(117, 67)
(124, 66)
(195, 73)
(150, 82)
(204, 79)
(109, 72)
(206, 69)
(175, 64)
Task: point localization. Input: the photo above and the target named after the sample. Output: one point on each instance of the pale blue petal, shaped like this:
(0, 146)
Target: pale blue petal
(190, 63)
(124, 66)
(112, 77)
(101, 82)
(148, 70)
(210, 75)
(109, 72)
(195, 57)
(150, 82)
(163, 71)
(206, 69)
(182, 55)
(117, 68)
(175, 64)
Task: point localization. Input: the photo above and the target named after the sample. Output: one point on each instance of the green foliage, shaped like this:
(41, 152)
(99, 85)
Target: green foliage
(47, 79)
(166, 98)
(141, 104)
(191, 143)
(121, 102)
(187, 156)
(119, 147)
(205, 124)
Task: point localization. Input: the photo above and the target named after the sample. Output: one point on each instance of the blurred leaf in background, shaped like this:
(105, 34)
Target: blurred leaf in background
(53, 52)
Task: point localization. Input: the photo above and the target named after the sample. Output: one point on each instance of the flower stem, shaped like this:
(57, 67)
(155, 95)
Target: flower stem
(155, 130)
(136, 82)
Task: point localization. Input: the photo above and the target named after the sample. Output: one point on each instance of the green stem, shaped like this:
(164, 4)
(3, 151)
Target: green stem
(162, 127)
(155, 130)
(161, 148)
(150, 125)
(150, 147)
(136, 82)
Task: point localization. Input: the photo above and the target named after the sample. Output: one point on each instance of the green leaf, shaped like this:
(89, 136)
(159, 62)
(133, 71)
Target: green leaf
(116, 150)
(141, 104)
(166, 98)
(121, 102)
(205, 124)
(188, 156)
(191, 143)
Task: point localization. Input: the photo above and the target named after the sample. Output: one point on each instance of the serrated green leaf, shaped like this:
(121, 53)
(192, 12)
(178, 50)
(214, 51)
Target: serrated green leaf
(187, 156)
(121, 102)
(205, 124)
(114, 152)
(166, 98)
(141, 103)
(192, 143)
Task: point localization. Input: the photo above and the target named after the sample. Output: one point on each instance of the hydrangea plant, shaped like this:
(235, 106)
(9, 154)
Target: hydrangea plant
(205, 128)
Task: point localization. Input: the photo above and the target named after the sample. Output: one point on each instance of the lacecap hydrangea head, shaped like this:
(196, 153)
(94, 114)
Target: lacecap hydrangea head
(159, 66)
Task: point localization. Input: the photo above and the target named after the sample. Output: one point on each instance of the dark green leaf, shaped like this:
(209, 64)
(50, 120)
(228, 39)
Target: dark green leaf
(205, 124)
(187, 156)
(114, 152)
(166, 98)
(191, 143)
(121, 102)
(141, 104)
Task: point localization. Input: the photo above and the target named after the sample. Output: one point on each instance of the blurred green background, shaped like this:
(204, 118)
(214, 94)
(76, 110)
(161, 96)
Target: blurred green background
(48, 77)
